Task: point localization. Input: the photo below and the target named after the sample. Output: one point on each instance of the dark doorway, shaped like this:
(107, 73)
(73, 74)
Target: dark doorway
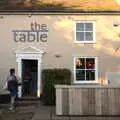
(29, 77)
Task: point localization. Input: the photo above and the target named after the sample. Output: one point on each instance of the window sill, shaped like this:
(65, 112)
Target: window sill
(85, 42)
(85, 82)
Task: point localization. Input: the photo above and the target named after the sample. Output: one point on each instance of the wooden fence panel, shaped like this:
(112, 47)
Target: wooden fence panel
(89, 101)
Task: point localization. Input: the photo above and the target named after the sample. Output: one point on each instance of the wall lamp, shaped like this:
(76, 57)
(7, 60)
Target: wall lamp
(116, 24)
(29, 15)
(117, 49)
(1, 17)
(57, 55)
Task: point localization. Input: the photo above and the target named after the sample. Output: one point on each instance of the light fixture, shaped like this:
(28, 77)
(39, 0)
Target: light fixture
(29, 15)
(57, 55)
(116, 24)
(117, 49)
(1, 17)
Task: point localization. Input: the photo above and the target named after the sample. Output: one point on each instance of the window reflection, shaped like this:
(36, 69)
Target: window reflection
(90, 75)
(90, 63)
(80, 63)
(80, 75)
(85, 69)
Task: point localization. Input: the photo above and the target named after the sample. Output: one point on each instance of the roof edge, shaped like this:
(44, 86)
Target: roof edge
(56, 12)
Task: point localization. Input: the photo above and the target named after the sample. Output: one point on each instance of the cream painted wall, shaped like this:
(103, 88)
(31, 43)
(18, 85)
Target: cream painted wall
(61, 41)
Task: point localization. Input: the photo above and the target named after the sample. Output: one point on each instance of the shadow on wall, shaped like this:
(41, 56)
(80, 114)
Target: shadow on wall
(106, 47)
(93, 5)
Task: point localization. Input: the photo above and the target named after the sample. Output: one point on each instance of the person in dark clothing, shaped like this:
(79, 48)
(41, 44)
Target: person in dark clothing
(12, 87)
(27, 80)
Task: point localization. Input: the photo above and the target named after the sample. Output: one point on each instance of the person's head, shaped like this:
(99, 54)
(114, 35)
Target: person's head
(12, 71)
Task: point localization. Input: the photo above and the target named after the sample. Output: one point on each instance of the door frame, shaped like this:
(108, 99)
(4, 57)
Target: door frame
(36, 54)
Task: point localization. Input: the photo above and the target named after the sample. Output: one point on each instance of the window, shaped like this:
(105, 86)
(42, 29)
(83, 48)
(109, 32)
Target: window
(85, 69)
(84, 31)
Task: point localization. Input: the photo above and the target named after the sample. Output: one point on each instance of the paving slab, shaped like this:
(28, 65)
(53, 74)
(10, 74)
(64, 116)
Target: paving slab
(34, 110)
(48, 113)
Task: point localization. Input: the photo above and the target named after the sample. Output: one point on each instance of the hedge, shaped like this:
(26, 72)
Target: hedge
(51, 77)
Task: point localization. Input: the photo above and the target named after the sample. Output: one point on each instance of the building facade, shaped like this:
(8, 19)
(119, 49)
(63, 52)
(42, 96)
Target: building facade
(87, 44)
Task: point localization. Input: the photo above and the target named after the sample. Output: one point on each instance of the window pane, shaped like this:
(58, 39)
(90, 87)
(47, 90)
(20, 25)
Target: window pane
(89, 36)
(80, 63)
(90, 75)
(90, 63)
(80, 75)
(80, 36)
(79, 26)
(88, 26)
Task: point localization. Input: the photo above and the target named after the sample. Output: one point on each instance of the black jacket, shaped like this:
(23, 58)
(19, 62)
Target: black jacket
(13, 85)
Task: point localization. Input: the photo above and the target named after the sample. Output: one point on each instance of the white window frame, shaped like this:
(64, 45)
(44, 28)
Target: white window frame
(94, 31)
(96, 70)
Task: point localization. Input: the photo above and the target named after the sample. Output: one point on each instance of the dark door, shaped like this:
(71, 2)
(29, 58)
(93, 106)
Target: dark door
(29, 77)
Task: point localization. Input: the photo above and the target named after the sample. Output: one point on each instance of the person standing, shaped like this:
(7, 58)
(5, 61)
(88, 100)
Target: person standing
(12, 85)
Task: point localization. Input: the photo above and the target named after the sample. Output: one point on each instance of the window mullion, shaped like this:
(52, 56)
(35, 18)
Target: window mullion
(84, 33)
(85, 69)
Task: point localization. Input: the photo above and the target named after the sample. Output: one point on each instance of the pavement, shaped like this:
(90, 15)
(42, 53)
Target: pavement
(35, 110)
(48, 113)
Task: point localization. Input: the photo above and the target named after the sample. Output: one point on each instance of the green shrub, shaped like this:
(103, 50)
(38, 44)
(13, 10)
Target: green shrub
(51, 77)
